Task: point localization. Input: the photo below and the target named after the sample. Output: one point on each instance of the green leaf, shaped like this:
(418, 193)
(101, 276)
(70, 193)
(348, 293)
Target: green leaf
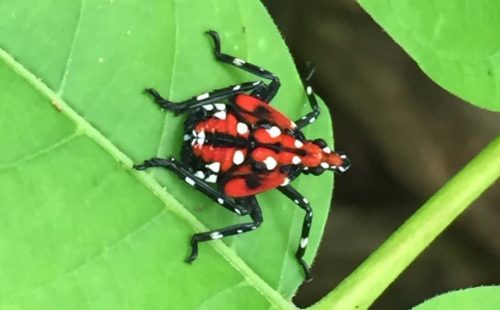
(80, 229)
(484, 297)
(455, 42)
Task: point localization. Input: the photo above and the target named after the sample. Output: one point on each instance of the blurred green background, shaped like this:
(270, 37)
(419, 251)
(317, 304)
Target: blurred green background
(406, 137)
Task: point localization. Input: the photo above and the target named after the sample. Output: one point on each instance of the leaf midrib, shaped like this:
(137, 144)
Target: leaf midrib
(169, 201)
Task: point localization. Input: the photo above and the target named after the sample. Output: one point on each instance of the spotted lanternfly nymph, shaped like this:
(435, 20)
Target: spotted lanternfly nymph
(235, 139)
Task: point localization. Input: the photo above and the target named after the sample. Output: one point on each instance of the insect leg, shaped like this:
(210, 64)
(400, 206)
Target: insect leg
(265, 93)
(302, 202)
(255, 214)
(313, 115)
(203, 99)
(195, 181)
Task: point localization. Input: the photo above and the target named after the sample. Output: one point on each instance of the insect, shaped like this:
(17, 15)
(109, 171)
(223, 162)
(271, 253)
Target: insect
(236, 146)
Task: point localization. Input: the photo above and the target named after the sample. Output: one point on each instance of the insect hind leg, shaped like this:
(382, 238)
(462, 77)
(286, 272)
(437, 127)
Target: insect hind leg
(312, 116)
(266, 93)
(255, 214)
(302, 202)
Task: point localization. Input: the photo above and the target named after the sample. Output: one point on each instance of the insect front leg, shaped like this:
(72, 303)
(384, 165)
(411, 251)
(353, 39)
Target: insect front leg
(189, 177)
(313, 115)
(204, 99)
(265, 93)
(255, 214)
(303, 203)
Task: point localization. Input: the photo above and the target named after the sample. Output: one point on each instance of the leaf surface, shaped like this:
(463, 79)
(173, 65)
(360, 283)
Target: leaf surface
(81, 229)
(455, 42)
(483, 297)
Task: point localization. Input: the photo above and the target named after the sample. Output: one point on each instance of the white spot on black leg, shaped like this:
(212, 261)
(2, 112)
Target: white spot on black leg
(296, 201)
(270, 162)
(220, 115)
(327, 150)
(325, 165)
(274, 131)
(202, 96)
(306, 168)
(239, 231)
(303, 242)
(254, 228)
(296, 160)
(200, 174)
(187, 137)
(220, 201)
(215, 166)
(238, 157)
(312, 120)
(220, 106)
(343, 156)
(293, 125)
(256, 83)
(342, 169)
(211, 178)
(237, 211)
(216, 235)
(303, 117)
(305, 200)
(285, 182)
(237, 87)
(242, 128)
(208, 107)
(238, 62)
(298, 144)
(261, 69)
(189, 181)
(309, 90)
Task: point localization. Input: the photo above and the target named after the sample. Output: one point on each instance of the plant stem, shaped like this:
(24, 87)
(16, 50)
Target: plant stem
(372, 277)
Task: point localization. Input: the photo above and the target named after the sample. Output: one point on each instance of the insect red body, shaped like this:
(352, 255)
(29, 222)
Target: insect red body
(249, 147)
(236, 146)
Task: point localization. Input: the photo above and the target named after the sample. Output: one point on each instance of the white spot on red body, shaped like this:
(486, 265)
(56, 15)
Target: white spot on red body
(220, 106)
(242, 128)
(270, 162)
(238, 157)
(296, 160)
(298, 144)
(211, 178)
(285, 182)
(327, 150)
(202, 96)
(220, 115)
(215, 166)
(200, 174)
(273, 131)
(208, 107)
(325, 165)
